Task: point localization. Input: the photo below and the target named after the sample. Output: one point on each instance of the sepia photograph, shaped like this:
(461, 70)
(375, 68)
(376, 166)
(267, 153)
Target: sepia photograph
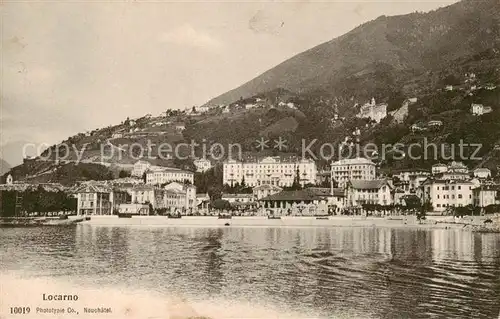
(210, 159)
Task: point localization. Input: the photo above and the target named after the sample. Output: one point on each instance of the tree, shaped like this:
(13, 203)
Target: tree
(221, 204)
(123, 174)
(151, 209)
(296, 181)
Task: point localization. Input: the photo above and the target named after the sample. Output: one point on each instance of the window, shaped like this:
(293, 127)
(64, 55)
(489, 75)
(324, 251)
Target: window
(459, 195)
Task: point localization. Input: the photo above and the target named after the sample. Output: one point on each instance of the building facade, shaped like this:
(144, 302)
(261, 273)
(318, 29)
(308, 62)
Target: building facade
(485, 195)
(202, 165)
(269, 171)
(147, 194)
(447, 193)
(180, 196)
(374, 111)
(165, 175)
(99, 199)
(483, 173)
(140, 167)
(262, 191)
(361, 192)
(352, 169)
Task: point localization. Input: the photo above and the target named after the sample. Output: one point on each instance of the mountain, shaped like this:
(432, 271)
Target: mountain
(385, 55)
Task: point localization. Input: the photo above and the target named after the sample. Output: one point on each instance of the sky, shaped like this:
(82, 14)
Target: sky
(73, 66)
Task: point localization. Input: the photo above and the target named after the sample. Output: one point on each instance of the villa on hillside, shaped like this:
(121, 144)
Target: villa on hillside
(482, 173)
(202, 165)
(439, 168)
(479, 109)
(374, 111)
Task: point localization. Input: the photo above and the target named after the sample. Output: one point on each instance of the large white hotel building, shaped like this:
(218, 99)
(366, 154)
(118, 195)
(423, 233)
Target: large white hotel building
(352, 169)
(269, 171)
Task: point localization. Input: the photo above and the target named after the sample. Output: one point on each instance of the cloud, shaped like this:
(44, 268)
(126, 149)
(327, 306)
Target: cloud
(186, 35)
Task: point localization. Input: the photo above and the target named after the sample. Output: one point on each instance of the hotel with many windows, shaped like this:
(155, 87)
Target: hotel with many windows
(352, 169)
(270, 171)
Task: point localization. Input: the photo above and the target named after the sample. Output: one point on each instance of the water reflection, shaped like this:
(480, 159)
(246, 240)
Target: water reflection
(353, 272)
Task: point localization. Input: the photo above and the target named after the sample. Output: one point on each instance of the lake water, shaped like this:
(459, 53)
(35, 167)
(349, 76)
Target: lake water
(310, 272)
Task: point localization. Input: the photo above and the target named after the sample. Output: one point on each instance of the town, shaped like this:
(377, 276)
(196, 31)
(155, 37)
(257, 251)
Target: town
(270, 186)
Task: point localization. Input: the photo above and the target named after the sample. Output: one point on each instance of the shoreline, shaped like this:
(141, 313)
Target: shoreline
(433, 222)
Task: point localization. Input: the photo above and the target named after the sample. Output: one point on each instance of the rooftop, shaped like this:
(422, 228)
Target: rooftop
(353, 161)
(308, 194)
(237, 195)
(267, 186)
(368, 184)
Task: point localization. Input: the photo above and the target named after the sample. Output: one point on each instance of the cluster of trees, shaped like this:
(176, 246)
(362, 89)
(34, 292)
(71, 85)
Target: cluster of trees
(35, 201)
(468, 210)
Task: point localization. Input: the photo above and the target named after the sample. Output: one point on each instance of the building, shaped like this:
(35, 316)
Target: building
(180, 196)
(117, 135)
(374, 111)
(417, 128)
(434, 124)
(202, 201)
(449, 175)
(439, 168)
(352, 169)
(165, 175)
(99, 199)
(482, 172)
(309, 201)
(140, 167)
(447, 193)
(266, 190)
(361, 192)
(147, 194)
(202, 165)
(480, 109)
(271, 171)
(180, 127)
(411, 179)
(457, 167)
(485, 195)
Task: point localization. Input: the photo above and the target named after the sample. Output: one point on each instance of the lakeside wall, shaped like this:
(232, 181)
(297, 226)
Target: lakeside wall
(305, 221)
